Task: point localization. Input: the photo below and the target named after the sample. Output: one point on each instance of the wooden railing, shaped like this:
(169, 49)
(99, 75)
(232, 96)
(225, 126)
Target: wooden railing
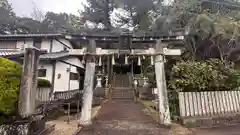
(67, 95)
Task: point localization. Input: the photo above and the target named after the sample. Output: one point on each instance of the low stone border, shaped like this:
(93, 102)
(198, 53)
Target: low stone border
(210, 122)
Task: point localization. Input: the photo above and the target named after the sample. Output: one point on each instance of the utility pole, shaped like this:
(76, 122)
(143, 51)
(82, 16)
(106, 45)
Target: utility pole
(86, 112)
(161, 85)
(29, 82)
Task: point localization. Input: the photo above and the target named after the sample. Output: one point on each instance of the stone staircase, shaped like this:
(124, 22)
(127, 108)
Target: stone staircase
(122, 93)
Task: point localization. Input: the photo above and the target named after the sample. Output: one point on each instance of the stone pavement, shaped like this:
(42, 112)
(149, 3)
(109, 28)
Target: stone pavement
(123, 117)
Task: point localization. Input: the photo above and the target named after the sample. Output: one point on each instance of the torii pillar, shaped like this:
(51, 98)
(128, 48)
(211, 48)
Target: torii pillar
(28, 85)
(86, 118)
(161, 85)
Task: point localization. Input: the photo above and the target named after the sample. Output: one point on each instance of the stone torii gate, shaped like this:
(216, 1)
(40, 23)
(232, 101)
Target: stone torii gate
(91, 53)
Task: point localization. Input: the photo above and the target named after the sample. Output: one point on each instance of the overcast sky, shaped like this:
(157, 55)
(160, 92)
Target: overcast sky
(25, 7)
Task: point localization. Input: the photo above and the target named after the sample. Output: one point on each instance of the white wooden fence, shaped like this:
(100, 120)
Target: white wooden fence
(43, 94)
(209, 103)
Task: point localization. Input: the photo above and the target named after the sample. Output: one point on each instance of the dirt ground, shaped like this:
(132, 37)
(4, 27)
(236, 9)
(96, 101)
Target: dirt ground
(64, 128)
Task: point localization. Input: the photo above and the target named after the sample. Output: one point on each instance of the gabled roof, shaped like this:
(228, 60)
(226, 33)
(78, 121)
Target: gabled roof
(55, 55)
(10, 52)
(47, 56)
(30, 35)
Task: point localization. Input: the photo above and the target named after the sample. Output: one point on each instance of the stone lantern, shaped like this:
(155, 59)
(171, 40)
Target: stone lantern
(145, 81)
(99, 79)
(135, 82)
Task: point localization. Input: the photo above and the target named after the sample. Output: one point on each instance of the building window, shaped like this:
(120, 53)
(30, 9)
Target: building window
(74, 76)
(37, 43)
(42, 72)
(8, 44)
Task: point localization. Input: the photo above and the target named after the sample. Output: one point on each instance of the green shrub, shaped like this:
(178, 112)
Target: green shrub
(10, 76)
(10, 73)
(44, 83)
(211, 75)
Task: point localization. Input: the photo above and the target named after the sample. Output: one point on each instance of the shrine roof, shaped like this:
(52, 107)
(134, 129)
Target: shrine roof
(103, 38)
(99, 34)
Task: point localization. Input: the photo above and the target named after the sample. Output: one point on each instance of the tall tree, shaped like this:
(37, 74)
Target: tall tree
(138, 13)
(37, 14)
(28, 25)
(99, 12)
(7, 17)
(62, 22)
(212, 27)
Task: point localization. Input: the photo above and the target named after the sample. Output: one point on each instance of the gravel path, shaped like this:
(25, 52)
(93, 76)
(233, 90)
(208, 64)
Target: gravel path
(123, 117)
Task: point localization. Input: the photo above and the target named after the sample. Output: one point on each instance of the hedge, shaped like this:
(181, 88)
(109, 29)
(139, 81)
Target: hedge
(10, 73)
(44, 83)
(210, 75)
(10, 76)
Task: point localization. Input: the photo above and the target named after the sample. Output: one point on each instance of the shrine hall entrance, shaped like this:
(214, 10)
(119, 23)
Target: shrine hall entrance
(122, 76)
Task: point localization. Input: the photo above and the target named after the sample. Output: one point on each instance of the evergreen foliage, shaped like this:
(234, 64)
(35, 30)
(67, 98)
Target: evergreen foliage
(10, 75)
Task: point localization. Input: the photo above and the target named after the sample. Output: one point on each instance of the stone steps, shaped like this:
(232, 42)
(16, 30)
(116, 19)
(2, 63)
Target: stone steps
(122, 93)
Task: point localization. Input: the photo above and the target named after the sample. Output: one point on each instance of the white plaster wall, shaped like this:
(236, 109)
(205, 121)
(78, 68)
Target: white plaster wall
(29, 42)
(57, 46)
(66, 42)
(20, 44)
(74, 61)
(49, 71)
(23, 43)
(46, 45)
(74, 84)
(62, 83)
